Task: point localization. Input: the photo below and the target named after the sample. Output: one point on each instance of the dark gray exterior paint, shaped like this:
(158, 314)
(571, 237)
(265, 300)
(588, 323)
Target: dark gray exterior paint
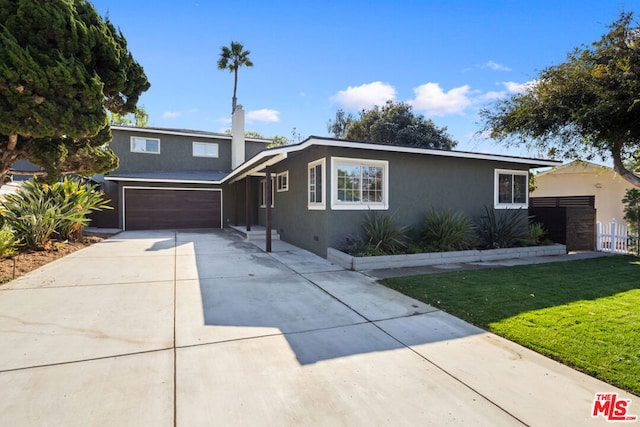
(417, 182)
(176, 152)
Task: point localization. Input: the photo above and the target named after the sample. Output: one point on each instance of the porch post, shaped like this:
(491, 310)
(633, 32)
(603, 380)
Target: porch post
(268, 209)
(247, 202)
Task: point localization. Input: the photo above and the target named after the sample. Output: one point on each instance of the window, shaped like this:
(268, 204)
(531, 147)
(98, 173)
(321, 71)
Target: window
(316, 185)
(511, 189)
(145, 145)
(205, 149)
(263, 193)
(282, 181)
(359, 184)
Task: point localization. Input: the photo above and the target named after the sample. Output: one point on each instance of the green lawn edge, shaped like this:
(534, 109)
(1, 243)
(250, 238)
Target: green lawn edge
(585, 314)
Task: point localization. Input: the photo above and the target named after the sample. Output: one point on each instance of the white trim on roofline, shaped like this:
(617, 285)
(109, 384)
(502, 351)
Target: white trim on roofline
(167, 180)
(183, 132)
(284, 150)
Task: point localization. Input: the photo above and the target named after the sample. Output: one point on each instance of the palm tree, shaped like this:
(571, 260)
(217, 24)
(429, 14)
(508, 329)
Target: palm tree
(232, 59)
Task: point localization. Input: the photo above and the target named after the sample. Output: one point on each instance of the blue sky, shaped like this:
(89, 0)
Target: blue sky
(447, 58)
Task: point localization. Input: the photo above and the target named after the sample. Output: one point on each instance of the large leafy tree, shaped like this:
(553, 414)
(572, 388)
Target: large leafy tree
(587, 106)
(61, 68)
(394, 123)
(139, 117)
(231, 58)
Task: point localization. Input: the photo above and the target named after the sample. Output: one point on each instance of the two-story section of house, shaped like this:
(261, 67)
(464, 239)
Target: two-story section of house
(170, 178)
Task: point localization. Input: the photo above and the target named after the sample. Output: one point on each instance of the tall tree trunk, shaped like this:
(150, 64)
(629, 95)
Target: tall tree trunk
(618, 166)
(235, 86)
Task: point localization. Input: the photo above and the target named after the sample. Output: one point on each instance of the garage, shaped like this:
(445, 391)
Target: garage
(171, 208)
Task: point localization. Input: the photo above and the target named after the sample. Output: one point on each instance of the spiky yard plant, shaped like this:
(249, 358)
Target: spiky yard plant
(445, 230)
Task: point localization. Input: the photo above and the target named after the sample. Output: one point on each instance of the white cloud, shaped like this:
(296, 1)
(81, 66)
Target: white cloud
(365, 96)
(493, 95)
(263, 116)
(495, 66)
(434, 101)
(171, 114)
(514, 87)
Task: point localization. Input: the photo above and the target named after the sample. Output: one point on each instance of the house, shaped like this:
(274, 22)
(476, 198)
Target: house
(580, 178)
(321, 188)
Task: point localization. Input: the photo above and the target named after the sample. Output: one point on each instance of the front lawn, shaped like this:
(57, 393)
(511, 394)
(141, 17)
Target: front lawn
(584, 313)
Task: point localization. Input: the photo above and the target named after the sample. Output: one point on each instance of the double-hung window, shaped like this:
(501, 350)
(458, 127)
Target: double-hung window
(316, 187)
(511, 189)
(359, 184)
(145, 145)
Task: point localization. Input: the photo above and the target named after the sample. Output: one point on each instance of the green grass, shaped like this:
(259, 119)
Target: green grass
(585, 313)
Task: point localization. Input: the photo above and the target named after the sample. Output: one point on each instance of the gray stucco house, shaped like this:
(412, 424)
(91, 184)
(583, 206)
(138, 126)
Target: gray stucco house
(321, 187)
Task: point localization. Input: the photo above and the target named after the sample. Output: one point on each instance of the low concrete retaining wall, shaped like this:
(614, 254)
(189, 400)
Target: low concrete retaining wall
(434, 258)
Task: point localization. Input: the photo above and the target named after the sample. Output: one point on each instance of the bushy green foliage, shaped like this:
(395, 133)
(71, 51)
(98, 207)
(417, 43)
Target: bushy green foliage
(62, 67)
(536, 233)
(585, 107)
(445, 230)
(76, 201)
(8, 244)
(39, 212)
(632, 215)
(383, 235)
(394, 123)
(502, 228)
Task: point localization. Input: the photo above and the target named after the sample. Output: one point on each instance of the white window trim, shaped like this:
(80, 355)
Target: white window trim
(286, 187)
(322, 205)
(263, 191)
(195, 143)
(340, 205)
(146, 139)
(496, 189)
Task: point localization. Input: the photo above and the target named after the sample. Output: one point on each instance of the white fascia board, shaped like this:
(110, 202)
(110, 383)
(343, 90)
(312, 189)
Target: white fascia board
(178, 132)
(167, 180)
(379, 147)
(427, 151)
(257, 165)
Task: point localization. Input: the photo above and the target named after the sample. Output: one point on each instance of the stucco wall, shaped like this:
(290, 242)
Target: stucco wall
(606, 185)
(176, 153)
(290, 216)
(416, 183)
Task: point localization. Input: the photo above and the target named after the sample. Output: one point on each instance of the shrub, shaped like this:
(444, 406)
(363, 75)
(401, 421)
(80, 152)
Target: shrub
(447, 231)
(75, 202)
(383, 235)
(31, 215)
(8, 244)
(502, 228)
(353, 245)
(632, 215)
(39, 212)
(536, 233)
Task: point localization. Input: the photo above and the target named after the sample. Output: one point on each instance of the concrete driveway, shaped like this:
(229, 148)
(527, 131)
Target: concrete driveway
(201, 329)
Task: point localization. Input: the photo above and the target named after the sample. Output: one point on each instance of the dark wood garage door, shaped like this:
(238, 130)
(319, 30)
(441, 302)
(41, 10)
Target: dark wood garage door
(157, 209)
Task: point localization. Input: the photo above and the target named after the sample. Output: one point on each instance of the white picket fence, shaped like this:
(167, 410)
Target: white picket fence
(614, 237)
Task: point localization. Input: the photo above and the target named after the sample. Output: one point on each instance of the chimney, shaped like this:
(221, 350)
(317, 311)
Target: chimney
(237, 137)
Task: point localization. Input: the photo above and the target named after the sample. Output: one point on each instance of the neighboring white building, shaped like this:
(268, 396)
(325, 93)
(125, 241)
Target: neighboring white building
(580, 178)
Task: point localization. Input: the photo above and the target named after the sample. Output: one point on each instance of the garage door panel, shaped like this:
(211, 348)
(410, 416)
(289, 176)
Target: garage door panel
(154, 209)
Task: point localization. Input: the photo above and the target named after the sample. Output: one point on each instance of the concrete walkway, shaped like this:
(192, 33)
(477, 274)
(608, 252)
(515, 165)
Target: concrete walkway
(201, 329)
